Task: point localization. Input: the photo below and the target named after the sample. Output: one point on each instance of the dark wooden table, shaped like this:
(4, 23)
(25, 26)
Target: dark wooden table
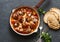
(8, 35)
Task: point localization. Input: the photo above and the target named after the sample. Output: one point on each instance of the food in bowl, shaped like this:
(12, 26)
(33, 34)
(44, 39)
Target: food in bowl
(24, 20)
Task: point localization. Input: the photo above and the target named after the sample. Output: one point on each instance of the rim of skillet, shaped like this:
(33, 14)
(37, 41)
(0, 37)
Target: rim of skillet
(15, 10)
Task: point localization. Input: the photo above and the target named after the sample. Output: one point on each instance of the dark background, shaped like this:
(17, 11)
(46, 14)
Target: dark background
(8, 35)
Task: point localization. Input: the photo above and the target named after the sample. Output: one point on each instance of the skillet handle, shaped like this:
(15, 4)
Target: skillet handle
(39, 4)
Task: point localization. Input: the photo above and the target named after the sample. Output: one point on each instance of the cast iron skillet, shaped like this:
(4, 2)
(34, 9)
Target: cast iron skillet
(34, 8)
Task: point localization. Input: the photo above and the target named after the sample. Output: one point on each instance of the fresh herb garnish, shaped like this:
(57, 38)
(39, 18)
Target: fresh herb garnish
(41, 11)
(46, 37)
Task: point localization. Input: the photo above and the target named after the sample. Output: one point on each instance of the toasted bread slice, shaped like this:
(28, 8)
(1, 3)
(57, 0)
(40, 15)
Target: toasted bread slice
(53, 22)
(48, 14)
(57, 11)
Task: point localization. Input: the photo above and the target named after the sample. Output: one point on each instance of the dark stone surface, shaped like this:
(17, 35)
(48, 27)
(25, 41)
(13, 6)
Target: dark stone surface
(8, 35)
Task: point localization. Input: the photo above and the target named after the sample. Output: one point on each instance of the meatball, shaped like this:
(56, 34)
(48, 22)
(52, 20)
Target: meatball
(15, 16)
(25, 25)
(16, 24)
(20, 19)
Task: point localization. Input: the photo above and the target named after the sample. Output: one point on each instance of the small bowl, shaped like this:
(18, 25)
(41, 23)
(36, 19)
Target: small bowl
(16, 9)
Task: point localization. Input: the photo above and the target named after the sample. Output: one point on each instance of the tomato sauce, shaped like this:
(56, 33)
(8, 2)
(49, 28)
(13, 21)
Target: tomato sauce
(25, 20)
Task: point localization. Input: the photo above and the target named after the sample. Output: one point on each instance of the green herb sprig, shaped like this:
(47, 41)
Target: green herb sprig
(46, 37)
(41, 11)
